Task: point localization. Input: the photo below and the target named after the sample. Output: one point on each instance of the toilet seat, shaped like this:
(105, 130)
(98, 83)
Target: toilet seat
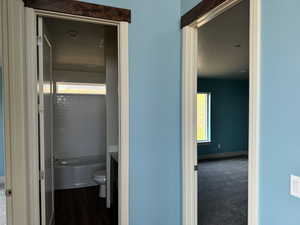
(100, 176)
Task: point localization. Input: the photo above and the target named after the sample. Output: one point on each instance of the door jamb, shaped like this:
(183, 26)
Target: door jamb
(189, 90)
(12, 33)
(31, 55)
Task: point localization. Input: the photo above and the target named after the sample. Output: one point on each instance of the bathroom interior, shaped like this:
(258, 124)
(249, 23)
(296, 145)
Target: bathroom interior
(80, 122)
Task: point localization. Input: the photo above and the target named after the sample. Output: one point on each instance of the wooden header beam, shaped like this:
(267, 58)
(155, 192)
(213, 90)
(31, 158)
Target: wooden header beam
(78, 8)
(199, 10)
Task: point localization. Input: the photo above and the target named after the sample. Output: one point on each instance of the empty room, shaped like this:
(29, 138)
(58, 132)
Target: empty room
(222, 118)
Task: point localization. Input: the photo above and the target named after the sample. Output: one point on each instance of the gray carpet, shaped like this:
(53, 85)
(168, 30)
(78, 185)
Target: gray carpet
(223, 192)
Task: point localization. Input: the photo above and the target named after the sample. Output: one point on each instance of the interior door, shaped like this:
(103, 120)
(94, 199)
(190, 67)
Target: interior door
(45, 80)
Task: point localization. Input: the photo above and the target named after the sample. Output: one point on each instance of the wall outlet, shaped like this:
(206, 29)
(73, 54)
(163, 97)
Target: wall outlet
(295, 186)
(219, 146)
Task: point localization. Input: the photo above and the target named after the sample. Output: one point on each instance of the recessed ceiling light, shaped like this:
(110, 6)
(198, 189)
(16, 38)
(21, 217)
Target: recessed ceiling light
(73, 34)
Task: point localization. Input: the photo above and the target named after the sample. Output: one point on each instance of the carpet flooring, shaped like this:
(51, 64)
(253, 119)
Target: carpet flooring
(223, 192)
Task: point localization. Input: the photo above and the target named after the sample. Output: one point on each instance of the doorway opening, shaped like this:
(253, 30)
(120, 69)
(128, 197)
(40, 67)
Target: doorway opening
(220, 112)
(78, 122)
(223, 118)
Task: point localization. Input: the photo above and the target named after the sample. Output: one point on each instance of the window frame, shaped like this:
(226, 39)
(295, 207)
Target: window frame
(73, 88)
(208, 118)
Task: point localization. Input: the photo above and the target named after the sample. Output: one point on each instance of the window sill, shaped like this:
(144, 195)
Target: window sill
(204, 143)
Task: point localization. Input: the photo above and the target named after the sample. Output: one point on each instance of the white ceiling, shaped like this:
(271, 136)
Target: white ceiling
(77, 46)
(224, 45)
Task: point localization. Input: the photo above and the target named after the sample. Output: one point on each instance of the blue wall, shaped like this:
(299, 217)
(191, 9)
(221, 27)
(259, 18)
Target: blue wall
(186, 5)
(2, 160)
(155, 110)
(154, 70)
(154, 39)
(229, 115)
(280, 110)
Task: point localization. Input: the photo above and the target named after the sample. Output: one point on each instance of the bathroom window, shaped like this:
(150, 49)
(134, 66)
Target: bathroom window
(203, 117)
(80, 88)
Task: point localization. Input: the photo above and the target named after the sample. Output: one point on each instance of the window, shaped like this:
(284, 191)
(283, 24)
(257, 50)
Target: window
(80, 88)
(203, 117)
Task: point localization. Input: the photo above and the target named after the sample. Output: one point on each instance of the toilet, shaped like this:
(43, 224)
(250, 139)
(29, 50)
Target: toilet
(100, 178)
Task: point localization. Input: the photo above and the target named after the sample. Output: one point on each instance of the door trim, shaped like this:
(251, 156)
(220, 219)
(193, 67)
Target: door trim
(123, 124)
(32, 126)
(81, 9)
(12, 33)
(189, 158)
(189, 74)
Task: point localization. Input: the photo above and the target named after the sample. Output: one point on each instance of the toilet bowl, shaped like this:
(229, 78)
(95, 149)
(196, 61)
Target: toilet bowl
(100, 178)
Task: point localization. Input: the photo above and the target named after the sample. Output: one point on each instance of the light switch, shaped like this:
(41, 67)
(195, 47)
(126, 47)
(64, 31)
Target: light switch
(295, 186)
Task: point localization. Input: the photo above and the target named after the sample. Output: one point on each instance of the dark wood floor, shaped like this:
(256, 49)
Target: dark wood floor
(83, 207)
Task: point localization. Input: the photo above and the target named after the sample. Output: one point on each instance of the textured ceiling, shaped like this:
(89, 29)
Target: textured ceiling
(223, 46)
(76, 46)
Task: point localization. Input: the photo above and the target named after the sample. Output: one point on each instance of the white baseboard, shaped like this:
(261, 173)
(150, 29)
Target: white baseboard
(2, 180)
(223, 155)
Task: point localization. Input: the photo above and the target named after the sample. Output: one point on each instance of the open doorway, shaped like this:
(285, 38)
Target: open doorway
(223, 118)
(78, 122)
(78, 119)
(221, 52)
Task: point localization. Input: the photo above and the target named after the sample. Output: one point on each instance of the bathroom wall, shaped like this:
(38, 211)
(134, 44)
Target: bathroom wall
(78, 57)
(80, 125)
(79, 120)
(79, 76)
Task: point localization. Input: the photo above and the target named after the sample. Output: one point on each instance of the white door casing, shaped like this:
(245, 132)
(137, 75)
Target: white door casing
(12, 38)
(189, 118)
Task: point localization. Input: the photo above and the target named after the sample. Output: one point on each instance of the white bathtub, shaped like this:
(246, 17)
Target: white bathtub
(77, 172)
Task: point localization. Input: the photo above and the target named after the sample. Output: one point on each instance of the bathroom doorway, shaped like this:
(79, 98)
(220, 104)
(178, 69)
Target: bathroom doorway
(82, 119)
(78, 122)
